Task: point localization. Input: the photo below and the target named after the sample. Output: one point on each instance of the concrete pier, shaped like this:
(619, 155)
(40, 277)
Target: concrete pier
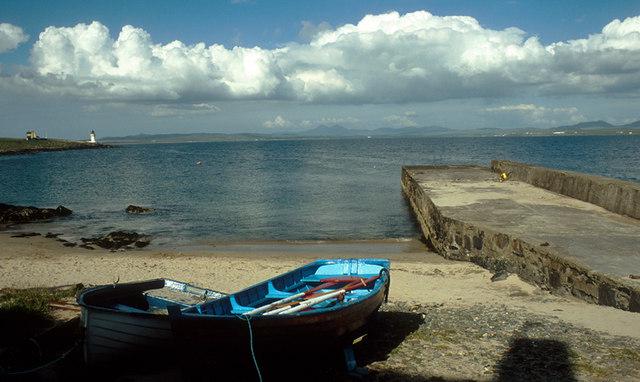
(558, 242)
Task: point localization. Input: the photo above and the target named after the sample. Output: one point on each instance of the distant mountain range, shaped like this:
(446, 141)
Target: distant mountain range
(338, 131)
(341, 131)
(598, 125)
(182, 137)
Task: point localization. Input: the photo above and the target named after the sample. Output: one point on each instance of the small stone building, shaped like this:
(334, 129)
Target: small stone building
(31, 134)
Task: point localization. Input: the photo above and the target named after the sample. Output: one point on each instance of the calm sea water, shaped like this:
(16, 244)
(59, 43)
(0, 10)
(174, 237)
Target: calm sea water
(272, 190)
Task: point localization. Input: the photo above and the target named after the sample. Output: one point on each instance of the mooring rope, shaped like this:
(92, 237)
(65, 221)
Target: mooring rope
(40, 367)
(253, 354)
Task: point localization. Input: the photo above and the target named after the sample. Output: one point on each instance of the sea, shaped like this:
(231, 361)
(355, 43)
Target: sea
(272, 191)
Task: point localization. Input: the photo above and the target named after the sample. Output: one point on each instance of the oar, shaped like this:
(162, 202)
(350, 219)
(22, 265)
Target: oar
(300, 305)
(290, 304)
(327, 282)
(313, 301)
(281, 309)
(358, 281)
(290, 298)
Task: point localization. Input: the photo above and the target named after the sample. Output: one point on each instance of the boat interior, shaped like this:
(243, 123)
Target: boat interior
(152, 296)
(300, 280)
(156, 296)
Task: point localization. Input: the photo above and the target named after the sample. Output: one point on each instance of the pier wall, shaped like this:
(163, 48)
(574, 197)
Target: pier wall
(499, 251)
(614, 195)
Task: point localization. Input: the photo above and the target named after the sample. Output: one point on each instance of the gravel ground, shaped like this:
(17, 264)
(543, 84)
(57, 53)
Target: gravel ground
(491, 342)
(409, 342)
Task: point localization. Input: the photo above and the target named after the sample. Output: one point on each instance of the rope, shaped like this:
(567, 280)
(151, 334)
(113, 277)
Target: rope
(253, 354)
(38, 368)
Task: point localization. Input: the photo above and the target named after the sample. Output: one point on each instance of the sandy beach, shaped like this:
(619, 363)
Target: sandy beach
(419, 276)
(422, 283)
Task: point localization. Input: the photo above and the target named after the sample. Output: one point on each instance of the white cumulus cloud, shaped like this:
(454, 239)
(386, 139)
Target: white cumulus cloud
(407, 119)
(173, 110)
(386, 58)
(11, 36)
(541, 114)
(132, 66)
(278, 122)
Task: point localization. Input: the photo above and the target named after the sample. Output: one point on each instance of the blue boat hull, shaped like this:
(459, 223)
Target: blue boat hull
(333, 328)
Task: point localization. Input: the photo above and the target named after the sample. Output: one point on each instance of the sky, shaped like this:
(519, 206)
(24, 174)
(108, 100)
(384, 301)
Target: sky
(130, 67)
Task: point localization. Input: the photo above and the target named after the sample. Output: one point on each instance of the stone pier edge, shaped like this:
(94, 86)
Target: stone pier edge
(497, 251)
(615, 195)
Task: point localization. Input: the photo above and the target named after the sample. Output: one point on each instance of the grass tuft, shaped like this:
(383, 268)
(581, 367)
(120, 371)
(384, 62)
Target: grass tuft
(23, 312)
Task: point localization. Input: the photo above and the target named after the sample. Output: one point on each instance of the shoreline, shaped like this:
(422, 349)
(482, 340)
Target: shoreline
(17, 146)
(418, 276)
(159, 243)
(40, 150)
(445, 320)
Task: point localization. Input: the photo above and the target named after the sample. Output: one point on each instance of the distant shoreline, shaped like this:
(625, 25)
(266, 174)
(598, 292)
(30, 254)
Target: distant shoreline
(217, 137)
(11, 146)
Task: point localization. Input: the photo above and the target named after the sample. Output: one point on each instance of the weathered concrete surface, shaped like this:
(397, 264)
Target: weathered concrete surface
(614, 195)
(557, 242)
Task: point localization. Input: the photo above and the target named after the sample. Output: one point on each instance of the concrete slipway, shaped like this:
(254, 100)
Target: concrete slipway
(521, 225)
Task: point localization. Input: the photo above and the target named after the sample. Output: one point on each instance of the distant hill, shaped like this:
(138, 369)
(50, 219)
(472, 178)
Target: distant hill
(183, 137)
(341, 131)
(634, 125)
(587, 125)
(323, 130)
(338, 131)
(414, 131)
(597, 128)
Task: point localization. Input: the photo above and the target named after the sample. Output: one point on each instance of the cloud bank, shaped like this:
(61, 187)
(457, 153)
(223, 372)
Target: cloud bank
(10, 37)
(386, 58)
(541, 115)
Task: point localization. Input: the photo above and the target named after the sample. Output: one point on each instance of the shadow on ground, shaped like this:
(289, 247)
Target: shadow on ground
(527, 359)
(388, 330)
(530, 359)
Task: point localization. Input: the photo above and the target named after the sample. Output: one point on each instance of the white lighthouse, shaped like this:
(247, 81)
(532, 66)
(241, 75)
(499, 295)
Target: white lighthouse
(92, 137)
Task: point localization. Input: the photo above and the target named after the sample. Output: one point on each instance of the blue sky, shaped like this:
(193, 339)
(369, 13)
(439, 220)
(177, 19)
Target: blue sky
(47, 85)
(271, 23)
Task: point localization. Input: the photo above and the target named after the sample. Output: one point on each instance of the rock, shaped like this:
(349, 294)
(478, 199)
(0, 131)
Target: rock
(10, 214)
(499, 276)
(119, 239)
(545, 244)
(86, 246)
(63, 211)
(68, 244)
(634, 277)
(131, 209)
(50, 235)
(26, 234)
(142, 242)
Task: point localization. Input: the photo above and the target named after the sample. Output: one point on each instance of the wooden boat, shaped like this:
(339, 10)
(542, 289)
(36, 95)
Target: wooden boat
(130, 320)
(335, 299)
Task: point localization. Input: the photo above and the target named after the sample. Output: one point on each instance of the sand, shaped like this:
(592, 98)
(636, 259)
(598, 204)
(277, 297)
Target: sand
(419, 277)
